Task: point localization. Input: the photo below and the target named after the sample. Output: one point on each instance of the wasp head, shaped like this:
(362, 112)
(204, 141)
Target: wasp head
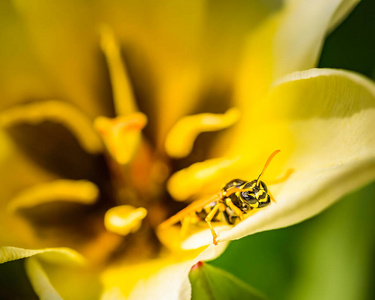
(256, 195)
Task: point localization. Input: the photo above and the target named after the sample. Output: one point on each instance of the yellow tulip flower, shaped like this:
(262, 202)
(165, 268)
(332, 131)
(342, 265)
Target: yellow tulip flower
(103, 107)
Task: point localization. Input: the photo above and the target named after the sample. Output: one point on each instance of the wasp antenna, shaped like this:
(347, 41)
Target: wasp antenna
(266, 165)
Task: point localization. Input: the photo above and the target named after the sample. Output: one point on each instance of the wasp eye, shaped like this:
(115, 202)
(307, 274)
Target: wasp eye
(249, 197)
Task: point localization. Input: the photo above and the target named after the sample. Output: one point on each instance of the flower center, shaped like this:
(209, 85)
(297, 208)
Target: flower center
(111, 205)
(139, 173)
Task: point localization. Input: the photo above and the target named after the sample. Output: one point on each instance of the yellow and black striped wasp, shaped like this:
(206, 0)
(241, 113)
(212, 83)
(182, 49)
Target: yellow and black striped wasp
(236, 199)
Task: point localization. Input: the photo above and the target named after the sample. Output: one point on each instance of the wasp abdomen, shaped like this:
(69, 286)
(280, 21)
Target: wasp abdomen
(203, 213)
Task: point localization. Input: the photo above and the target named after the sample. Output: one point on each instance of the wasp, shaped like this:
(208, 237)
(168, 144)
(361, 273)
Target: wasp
(236, 199)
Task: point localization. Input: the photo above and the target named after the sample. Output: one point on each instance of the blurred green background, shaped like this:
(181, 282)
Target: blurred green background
(331, 256)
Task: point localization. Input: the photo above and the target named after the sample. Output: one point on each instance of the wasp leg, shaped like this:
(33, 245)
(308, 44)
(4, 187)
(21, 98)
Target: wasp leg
(238, 212)
(282, 179)
(185, 224)
(208, 219)
(272, 197)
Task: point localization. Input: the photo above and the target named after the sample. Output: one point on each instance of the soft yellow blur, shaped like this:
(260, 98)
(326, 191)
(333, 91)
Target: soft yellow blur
(124, 219)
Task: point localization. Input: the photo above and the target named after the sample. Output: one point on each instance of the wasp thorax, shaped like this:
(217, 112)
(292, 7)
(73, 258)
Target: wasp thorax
(235, 183)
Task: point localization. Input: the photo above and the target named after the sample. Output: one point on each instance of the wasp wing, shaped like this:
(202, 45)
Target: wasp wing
(194, 206)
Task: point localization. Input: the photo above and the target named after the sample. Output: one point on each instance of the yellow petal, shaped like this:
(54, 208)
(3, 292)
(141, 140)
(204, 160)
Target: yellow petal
(113, 294)
(189, 56)
(222, 48)
(83, 192)
(55, 111)
(21, 76)
(113, 277)
(331, 114)
(332, 93)
(203, 177)
(39, 280)
(162, 278)
(62, 36)
(172, 282)
(301, 32)
(124, 219)
(122, 91)
(58, 254)
(13, 161)
(170, 237)
(181, 137)
(53, 272)
(289, 41)
(255, 71)
(122, 135)
(166, 65)
(73, 281)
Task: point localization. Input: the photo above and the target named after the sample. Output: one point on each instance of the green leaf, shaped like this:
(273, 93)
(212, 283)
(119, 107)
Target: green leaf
(14, 283)
(210, 283)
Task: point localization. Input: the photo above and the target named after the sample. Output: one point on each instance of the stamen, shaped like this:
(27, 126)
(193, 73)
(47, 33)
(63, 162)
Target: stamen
(122, 91)
(82, 191)
(59, 112)
(124, 219)
(121, 135)
(180, 139)
(281, 179)
(197, 178)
